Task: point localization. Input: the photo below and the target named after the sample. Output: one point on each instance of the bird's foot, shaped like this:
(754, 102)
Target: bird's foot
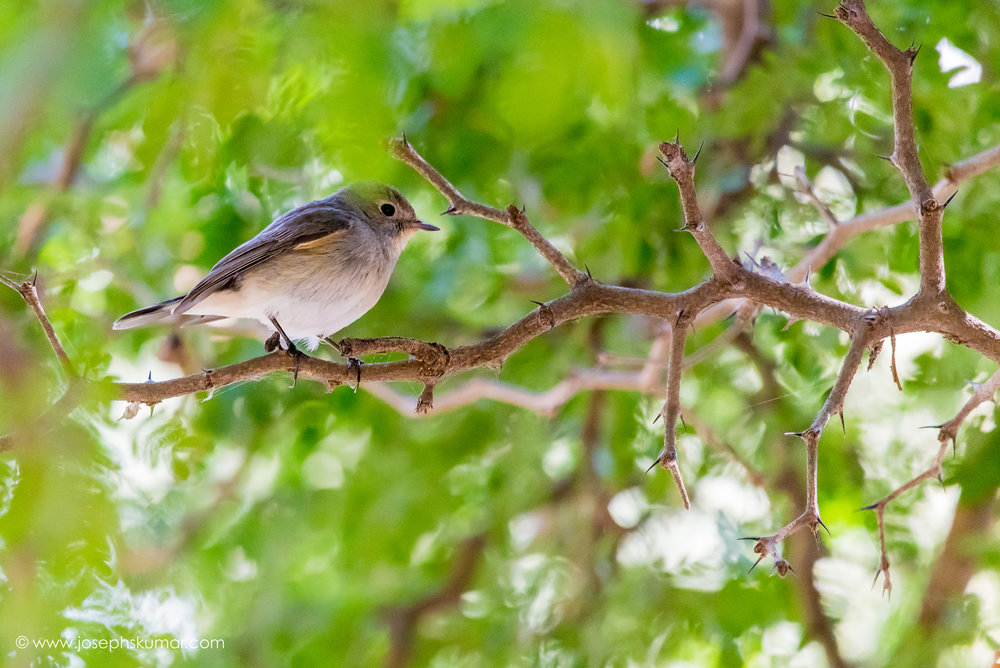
(298, 355)
(355, 363)
(352, 362)
(273, 343)
(275, 340)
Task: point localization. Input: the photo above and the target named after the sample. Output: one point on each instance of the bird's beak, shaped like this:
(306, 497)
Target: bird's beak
(421, 225)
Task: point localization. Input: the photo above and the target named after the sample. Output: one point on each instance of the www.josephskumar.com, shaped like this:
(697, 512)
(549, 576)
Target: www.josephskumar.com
(111, 644)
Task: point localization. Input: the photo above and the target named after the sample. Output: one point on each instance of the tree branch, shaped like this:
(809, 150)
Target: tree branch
(512, 217)
(586, 299)
(29, 292)
(667, 459)
(681, 170)
(948, 432)
(810, 517)
(899, 64)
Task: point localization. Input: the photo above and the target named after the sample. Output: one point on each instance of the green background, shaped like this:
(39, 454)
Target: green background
(301, 526)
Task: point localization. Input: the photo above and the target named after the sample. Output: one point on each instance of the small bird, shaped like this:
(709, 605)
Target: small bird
(307, 275)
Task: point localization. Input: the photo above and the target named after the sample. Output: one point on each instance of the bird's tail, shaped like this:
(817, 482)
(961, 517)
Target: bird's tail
(146, 315)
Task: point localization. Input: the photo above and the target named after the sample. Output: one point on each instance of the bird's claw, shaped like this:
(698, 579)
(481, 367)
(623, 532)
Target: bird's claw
(355, 363)
(298, 355)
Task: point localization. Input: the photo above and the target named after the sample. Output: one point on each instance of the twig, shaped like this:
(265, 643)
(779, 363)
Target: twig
(899, 64)
(29, 292)
(459, 204)
(681, 169)
(806, 188)
(512, 217)
(837, 237)
(810, 517)
(545, 403)
(667, 458)
(948, 432)
(566, 270)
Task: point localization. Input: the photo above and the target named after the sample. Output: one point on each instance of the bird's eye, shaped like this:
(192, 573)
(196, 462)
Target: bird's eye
(387, 209)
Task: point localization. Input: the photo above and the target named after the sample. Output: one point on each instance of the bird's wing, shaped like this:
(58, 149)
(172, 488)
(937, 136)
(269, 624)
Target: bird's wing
(296, 229)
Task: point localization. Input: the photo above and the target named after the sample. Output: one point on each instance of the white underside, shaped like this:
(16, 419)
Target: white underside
(308, 305)
(307, 321)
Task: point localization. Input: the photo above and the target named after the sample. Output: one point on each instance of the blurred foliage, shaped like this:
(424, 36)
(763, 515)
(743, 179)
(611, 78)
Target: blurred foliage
(296, 525)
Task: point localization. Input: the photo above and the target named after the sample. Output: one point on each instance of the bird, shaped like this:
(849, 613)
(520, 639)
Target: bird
(313, 271)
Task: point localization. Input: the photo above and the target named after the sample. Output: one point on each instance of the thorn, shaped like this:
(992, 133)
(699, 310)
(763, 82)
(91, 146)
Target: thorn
(824, 526)
(403, 136)
(940, 479)
(697, 153)
(149, 378)
(749, 538)
(871, 507)
(931, 426)
(829, 16)
(795, 433)
(653, 465)
(948, 201)
(450, 211)
(759, 559)
(782, 567)
(877, 573)
(677, 135)
(683, 423)
(535, 302)
(887, 158)
(588, 272)
(657, 418)
(663, 162)
(34, 278)
(842, 425)
(151, 407)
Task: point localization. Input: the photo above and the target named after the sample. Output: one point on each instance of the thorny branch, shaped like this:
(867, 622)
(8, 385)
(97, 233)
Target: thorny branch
(671, 407)
(29, 292)
(904, 156)
(947, 432)
(681, 170)
(513, 217)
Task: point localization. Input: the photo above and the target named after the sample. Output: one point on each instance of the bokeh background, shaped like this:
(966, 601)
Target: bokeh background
(140, 142)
